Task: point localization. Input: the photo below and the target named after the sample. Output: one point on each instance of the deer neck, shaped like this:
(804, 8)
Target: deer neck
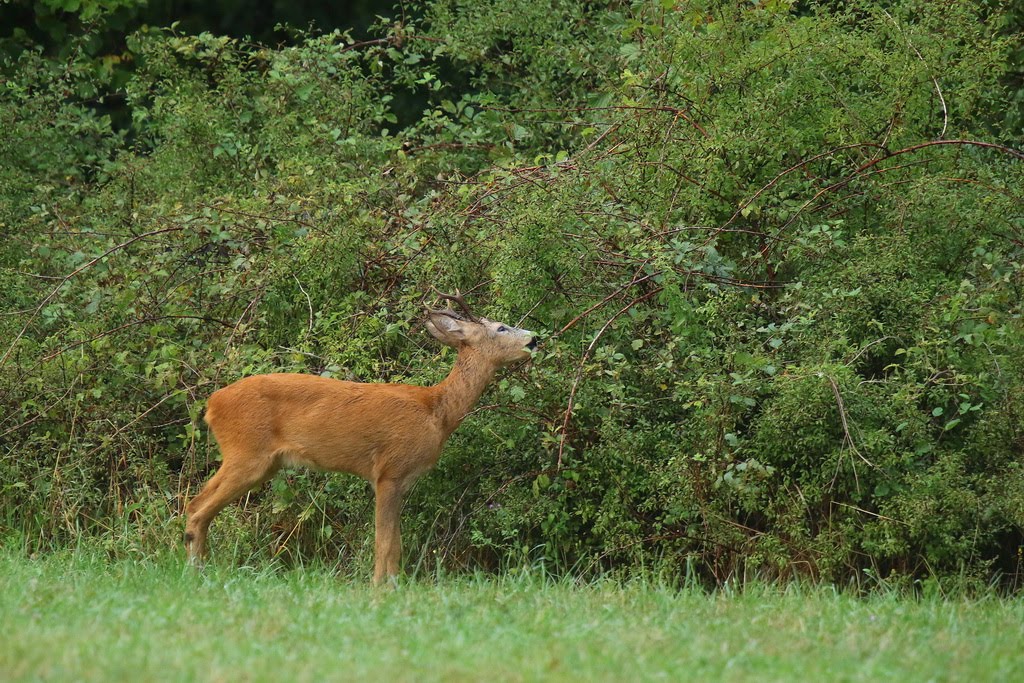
(461, 389)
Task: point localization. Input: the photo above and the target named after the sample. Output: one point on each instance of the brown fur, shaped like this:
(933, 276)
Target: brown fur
(388, 434)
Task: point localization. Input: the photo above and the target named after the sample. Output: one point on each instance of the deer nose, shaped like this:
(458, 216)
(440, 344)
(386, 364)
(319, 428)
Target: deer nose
(532, 344)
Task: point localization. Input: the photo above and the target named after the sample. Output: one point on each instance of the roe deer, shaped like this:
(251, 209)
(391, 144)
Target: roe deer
(388, 434)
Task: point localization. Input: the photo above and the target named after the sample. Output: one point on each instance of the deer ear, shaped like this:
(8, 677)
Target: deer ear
(445, 329)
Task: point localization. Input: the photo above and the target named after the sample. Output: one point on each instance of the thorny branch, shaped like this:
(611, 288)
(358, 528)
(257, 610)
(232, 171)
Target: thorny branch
(67, 278)
(582, 364)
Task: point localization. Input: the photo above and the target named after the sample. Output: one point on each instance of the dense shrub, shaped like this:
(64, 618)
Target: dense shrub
(776, 254)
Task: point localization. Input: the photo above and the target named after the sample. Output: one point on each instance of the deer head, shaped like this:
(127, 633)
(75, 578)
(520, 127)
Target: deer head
(500, 343)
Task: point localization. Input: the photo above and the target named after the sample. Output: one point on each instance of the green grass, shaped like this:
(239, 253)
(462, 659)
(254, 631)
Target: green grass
(76, 617)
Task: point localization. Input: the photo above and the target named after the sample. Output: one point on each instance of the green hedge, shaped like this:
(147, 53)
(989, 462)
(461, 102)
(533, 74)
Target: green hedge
(776, 254)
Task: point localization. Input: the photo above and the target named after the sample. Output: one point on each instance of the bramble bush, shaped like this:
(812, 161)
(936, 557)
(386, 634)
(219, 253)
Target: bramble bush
(776, 254)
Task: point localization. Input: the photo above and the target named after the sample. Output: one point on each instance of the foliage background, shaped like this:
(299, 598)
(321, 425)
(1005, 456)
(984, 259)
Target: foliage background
(775, 250)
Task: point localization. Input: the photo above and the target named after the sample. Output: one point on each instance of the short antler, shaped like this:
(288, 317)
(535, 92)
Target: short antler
(457, 298)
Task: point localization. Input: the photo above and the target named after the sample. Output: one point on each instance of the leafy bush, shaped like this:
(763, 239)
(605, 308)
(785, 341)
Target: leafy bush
(776, 254)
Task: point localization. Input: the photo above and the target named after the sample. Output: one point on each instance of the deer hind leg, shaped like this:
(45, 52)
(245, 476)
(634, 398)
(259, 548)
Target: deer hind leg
(233, 479)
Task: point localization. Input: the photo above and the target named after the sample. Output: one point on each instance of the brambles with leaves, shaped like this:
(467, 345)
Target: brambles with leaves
(777, 255)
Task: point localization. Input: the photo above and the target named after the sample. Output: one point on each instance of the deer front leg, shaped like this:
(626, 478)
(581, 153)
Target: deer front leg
(388, 541)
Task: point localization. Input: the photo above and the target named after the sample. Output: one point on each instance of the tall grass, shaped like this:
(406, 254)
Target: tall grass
(76, 616)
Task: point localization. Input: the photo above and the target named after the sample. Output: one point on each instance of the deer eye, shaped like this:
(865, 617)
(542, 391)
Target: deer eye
(502, 328)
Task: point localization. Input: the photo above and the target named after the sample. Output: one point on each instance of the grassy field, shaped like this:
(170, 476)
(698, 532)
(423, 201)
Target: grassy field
(76, 617)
